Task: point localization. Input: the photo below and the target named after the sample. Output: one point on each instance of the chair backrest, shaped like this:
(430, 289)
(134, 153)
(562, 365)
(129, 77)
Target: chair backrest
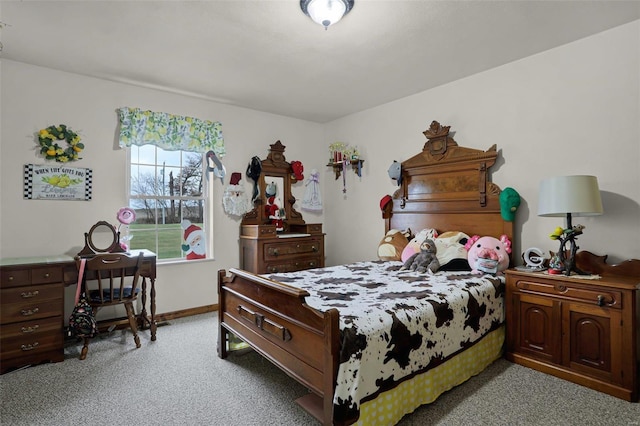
(112, 278)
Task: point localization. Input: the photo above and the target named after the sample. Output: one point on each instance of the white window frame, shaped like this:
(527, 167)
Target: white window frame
(207, 197)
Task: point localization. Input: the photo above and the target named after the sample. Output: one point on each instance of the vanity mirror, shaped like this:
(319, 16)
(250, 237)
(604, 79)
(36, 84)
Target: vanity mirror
(101, 238)
(275, 196)
(274, 236)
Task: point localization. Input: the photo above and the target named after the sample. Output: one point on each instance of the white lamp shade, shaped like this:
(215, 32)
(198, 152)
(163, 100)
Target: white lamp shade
(578, 195)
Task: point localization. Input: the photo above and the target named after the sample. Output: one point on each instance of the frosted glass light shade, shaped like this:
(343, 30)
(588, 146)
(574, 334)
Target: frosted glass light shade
(576, 195)
(326, 12)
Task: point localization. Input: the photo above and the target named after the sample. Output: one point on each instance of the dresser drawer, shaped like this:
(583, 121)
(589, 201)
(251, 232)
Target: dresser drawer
(22, 346)
(27, 329)
(273, 251)
(597, 296)
(293, 265)
(15, 277)
(51, 274)
(33, 294)
(311, 228)
(30, 310)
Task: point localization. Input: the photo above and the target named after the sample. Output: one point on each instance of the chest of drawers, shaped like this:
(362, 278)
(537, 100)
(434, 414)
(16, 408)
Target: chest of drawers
(32, 313)
(263, 251)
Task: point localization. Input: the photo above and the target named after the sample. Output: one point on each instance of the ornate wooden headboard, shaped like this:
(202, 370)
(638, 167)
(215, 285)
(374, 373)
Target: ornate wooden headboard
(447, 187)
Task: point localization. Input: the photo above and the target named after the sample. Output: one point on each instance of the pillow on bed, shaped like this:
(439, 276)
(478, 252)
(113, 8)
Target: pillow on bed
(391, 246)
(451, 252)
(414, 244)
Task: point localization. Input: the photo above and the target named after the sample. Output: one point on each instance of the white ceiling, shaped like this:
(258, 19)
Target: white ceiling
(267, 55)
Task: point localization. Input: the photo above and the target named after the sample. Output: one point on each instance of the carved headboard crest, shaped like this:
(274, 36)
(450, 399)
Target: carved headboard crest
(438, 139)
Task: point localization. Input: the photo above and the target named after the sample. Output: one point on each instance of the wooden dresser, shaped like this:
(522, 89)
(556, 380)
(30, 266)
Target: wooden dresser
(32, 314)
(263, 251)
(582, 330)
(296, 245)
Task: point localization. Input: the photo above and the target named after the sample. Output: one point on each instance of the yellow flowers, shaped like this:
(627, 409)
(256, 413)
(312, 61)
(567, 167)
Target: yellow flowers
(47, 138)
(556, 233)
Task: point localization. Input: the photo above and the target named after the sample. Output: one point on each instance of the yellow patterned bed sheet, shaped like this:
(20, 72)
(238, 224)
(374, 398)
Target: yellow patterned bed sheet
(390, 406)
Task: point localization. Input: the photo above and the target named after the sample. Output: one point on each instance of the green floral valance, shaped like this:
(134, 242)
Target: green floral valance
(170, 132)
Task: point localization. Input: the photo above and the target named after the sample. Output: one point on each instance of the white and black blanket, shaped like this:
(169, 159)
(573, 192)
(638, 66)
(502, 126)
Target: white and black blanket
(395, 324)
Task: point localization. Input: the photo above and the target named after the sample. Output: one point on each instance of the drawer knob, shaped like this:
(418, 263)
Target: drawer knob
(600, 300)
(29, 312)
(28, 294)
(11, 278)
(29, 347)
(30, 329)
(314, 248)
(47, 275)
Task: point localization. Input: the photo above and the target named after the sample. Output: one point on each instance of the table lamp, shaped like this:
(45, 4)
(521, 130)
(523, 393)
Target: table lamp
(570, 196)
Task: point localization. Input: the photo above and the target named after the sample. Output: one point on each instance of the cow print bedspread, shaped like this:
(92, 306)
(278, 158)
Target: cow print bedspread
(395, 324)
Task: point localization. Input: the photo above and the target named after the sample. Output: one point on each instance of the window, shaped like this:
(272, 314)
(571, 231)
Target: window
(169, 193)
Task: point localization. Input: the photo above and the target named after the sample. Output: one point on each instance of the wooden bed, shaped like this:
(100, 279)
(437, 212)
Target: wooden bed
(445, 187)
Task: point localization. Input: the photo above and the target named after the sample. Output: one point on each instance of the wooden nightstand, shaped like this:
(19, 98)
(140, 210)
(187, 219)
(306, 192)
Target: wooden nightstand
(581, 330)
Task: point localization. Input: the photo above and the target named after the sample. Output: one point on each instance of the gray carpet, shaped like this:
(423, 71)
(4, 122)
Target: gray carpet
(179, 380)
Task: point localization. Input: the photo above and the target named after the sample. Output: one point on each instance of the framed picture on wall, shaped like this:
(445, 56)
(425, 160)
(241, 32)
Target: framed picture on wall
(44, 182)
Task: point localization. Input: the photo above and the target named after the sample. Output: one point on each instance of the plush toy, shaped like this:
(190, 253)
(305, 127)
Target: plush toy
(424, 261)
(391, 246)
(414, 243)
(451, 252)
(488, 254)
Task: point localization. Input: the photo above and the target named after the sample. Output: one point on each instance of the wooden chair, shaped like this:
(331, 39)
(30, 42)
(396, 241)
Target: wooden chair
(112, 279)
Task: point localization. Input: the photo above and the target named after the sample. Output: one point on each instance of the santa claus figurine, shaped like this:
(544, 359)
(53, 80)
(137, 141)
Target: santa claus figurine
(194, 241)
(273, 209)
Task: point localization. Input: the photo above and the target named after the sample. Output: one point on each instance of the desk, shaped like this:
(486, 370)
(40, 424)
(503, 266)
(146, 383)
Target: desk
(32, 300)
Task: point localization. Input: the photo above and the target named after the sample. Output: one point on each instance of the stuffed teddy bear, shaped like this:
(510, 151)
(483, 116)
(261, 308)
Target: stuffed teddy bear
(488, 254)
(424, 261)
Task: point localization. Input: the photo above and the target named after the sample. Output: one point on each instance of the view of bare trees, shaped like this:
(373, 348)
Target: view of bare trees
(165, 198)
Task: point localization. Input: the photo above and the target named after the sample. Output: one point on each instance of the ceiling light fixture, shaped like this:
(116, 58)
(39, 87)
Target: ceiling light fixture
(326, 12)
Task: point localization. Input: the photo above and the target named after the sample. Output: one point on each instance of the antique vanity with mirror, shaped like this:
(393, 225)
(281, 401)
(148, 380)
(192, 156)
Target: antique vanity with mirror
(101, 238)
(273, 236)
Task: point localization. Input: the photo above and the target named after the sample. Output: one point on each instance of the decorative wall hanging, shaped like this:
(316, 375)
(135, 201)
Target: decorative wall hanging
(49, 138)
(312, 198)
(234, 200)
(341, 156)
(57, 183)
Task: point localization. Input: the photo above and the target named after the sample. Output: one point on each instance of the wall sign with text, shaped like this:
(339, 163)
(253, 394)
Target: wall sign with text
(57, 183)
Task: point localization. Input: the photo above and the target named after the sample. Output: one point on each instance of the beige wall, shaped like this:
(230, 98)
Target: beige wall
(571, 110)
(35, 97)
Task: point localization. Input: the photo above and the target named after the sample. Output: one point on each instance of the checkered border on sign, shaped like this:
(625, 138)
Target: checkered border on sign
(88, 182)
(28, 181)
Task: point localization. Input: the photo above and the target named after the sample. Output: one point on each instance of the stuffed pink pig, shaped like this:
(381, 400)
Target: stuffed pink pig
(488, 254)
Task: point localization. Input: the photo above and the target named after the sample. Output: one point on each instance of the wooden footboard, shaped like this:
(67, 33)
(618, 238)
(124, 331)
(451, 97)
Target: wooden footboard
(274, 319)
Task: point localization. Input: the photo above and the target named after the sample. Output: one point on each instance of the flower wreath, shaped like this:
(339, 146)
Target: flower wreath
(49, 147)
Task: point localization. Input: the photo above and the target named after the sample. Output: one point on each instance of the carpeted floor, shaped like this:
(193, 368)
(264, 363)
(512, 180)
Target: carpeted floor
(179, 380)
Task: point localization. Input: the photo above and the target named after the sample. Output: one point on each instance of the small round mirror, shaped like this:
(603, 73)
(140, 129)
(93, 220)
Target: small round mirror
(102, 237)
